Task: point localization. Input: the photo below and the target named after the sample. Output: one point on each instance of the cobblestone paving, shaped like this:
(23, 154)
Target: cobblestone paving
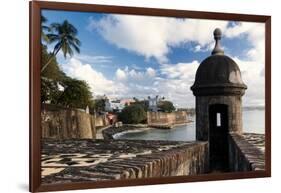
(96, 160)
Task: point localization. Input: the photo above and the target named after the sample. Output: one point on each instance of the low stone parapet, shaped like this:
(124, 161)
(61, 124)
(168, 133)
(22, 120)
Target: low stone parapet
(246, 152)
(97, 160)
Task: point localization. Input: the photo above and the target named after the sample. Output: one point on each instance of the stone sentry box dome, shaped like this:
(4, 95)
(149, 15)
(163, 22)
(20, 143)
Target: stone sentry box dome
(218, 74)
(218, 89)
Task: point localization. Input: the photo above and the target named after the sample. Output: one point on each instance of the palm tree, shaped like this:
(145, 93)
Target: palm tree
(44, 28)
(65, 38)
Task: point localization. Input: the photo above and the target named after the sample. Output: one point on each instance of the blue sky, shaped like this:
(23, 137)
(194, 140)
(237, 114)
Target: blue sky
(124, 56)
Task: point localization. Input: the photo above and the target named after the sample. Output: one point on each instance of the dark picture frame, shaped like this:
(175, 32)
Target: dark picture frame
(35, 103)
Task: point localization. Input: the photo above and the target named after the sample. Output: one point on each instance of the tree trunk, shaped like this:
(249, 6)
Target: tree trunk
(51, 58)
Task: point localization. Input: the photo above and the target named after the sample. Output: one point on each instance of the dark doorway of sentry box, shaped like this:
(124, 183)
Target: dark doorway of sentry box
(218, 138)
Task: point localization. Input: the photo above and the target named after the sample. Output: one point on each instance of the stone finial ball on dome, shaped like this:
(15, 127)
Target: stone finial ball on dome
(217, 37)
(217, 33)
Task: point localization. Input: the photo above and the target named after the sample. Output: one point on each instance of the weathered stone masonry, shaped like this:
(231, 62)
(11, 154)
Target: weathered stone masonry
(166, 120)
(66, 123)
(234, 104)
(96, 160)
(246, 152)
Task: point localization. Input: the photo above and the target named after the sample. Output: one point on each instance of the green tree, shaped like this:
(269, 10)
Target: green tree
(49, 90)
(53, 71)
(51, 78)
(65, 39)
(76, 94)
(132, 114)
(99, 105)
(166, 106)
(143, 103)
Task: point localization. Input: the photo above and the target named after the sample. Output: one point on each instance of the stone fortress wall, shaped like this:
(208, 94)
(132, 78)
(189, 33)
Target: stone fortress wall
(69, 123)
(101, 121)
(167, 120)
(66, 123)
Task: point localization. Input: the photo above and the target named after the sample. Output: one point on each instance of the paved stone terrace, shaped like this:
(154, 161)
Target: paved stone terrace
(96, 160)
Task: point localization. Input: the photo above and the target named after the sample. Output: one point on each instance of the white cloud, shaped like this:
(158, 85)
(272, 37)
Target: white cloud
(179, 78)
(197, 48)
(255, 33)
(154, 36)
(98, 83)
(94, 58)
(252, 68)
(150, 72)
(252, 75)
(132, 75)
(184, 71)
(120, 74)
(172, 81)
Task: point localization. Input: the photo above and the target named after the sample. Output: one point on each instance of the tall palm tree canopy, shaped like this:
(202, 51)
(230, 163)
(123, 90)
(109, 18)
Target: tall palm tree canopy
(44, 28)
(65, 37)
(43, 21)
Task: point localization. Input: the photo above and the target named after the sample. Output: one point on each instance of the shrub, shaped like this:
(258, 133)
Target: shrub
(133, 114)
(166, 106)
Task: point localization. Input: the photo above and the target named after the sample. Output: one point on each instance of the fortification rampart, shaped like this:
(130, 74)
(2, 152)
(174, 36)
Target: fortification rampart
(167, 120)
(66, 123)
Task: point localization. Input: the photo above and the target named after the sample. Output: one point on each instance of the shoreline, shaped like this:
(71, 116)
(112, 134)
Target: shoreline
(169, 126)
(115, 132)
(116, 135)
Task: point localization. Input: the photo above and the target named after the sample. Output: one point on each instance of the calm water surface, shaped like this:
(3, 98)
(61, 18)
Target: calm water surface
(253, 122)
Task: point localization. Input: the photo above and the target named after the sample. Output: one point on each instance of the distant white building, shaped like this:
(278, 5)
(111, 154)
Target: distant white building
(153, 103)
(117, 104)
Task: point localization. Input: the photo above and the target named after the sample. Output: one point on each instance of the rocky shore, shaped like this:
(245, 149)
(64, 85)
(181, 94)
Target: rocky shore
(113, 132)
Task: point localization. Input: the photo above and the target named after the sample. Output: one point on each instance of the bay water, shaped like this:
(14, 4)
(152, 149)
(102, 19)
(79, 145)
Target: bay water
(253, 122)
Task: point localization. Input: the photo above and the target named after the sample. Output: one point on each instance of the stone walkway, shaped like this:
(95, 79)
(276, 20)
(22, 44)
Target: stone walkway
(96, 160)
(99, 134)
